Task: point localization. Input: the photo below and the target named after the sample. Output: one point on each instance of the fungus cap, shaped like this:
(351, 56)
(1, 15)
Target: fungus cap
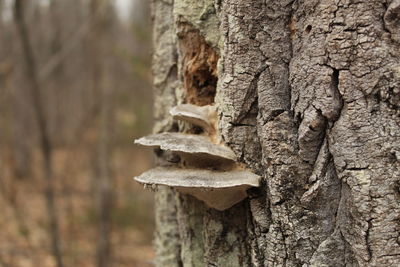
(203, 116)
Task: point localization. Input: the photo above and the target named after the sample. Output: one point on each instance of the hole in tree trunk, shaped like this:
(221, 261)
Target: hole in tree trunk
(199, 66)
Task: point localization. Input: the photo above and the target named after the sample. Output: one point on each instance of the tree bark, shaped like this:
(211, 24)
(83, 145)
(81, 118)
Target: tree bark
(308, 98)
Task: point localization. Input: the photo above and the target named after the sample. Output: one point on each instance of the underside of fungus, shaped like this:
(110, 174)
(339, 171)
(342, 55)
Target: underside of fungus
(207, 171)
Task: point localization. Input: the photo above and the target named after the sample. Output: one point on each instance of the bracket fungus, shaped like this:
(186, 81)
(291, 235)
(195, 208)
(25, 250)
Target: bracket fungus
(207, 171)
(194, 149)
(218, 189)
(203, 116)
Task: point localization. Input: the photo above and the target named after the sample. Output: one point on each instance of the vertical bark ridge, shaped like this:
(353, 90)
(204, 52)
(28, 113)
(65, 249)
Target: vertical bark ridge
(345, 44)
(167, 240)
(190, 213)
(225, 237)
(240, 67)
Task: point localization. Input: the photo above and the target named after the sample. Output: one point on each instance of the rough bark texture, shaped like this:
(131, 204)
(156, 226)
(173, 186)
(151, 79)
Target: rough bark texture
(308, 96)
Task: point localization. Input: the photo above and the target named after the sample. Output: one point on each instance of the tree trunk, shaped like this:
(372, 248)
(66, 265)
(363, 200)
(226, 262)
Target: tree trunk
(308, 97)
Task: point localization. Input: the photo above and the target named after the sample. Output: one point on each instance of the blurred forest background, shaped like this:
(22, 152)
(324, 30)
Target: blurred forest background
(75, 89)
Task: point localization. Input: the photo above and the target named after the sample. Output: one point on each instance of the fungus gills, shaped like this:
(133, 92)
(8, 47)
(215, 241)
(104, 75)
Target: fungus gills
(207, 171)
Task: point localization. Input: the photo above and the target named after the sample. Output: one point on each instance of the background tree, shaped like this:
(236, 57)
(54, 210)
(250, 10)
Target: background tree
(45, 144)
(307, 97)
(90, 82)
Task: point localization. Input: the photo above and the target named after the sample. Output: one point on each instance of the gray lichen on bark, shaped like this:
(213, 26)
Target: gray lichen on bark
(167, 239)
(308, 97)
(201, 15)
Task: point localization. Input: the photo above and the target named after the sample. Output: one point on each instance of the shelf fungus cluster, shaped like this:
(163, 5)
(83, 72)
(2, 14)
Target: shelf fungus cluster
(207, 170)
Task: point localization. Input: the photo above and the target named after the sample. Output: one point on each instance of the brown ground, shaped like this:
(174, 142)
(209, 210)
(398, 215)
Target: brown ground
(24, 239)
